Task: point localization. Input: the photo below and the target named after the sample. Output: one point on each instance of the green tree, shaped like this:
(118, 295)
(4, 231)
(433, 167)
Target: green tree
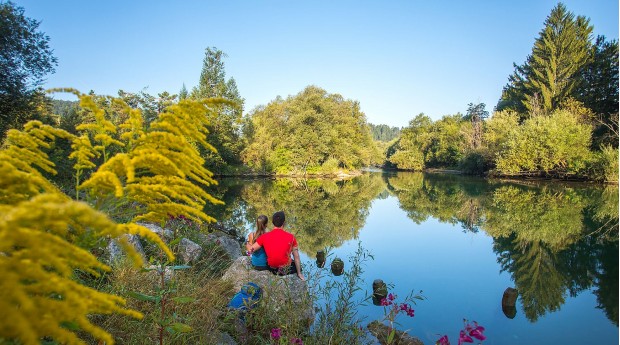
(225, 124)
(557, 144)
(410, 151)
(25, 59)
(384, 132)
(183, 94)
(476, 113)
(311, 133)
(598, 91)
(551, 73)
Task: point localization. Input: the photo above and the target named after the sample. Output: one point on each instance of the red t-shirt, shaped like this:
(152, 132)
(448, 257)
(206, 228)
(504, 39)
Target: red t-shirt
(278, 246)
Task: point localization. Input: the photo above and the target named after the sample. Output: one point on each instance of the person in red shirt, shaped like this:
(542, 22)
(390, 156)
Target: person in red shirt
(279, 245)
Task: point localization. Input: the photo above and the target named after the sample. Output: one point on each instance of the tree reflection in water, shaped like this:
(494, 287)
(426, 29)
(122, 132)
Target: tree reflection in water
(555, 239)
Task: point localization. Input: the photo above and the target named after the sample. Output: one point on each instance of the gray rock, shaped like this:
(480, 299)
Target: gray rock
(157, 270)
(189, 251)
(225, 339)
(116, 253)
(230, 245)
(382, 331)
(277, 290)
(165, 234)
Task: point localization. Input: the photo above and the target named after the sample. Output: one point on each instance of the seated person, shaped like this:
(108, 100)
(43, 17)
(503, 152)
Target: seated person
(279, 245)
(259, 257)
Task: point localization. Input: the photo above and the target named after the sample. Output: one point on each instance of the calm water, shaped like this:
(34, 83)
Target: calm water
(462, 241)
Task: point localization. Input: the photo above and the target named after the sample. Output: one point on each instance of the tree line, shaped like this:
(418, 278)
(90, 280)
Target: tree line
(557, 116)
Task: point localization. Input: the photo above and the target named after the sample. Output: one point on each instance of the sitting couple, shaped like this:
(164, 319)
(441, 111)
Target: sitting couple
(272, 250)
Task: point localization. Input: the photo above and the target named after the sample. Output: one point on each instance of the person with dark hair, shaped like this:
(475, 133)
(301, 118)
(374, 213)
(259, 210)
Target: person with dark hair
(259, 257)
(279, 245)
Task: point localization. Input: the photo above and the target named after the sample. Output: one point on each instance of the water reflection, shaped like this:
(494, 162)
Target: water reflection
(555, 240)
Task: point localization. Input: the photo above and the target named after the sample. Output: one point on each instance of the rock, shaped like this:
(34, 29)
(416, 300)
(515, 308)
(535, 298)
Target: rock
(165, 234)
(156, 270)
(277, 290)
(230, 245)
(115, 251)
(225, 339)
(509, 300)
(189, 251)
(382, 331)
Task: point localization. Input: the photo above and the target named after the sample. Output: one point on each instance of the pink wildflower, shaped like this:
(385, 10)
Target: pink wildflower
(443, 341)
(464, 338)
(276, 333)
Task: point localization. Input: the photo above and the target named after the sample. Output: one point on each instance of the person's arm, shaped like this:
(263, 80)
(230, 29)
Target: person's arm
(254, 247)
(297, 263)
(248, 244)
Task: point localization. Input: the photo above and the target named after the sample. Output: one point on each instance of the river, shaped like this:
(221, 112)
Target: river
(462, 241)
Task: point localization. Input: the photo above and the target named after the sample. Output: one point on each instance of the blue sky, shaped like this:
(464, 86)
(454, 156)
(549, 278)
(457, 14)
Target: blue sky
(397, 58)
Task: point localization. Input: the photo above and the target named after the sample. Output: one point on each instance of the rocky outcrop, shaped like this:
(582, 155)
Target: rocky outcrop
(277, 290)
(382, 331)
(230, 245)
(189, 251)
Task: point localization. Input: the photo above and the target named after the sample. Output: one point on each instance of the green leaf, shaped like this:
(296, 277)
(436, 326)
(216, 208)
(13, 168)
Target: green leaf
(391, 336)
(183, 299)
(178, 327)
(175, 241)
(143, 297)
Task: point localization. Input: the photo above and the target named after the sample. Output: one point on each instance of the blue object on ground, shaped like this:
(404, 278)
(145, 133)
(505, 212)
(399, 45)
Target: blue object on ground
(247, 298)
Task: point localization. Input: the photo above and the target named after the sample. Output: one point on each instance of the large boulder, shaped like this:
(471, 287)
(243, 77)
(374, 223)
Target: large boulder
(189, 251)
(230, 245)
(277, 290)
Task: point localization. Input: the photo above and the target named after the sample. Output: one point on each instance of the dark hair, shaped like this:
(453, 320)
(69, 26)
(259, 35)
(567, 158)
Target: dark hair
(278, 219)
(261, 226)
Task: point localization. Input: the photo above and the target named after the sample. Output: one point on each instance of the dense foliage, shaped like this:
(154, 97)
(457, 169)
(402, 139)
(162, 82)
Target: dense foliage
(123, 173)
(225, 124)
(558, 115)
(312, 132)
(383, 132)
(25, 58)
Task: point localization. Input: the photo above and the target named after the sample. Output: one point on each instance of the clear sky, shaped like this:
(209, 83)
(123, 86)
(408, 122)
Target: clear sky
(397, 58)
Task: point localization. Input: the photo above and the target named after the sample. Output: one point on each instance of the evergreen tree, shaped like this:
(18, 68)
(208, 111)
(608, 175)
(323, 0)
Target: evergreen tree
(598, 91)
(225, 126)
(183, 94)
(550, 74)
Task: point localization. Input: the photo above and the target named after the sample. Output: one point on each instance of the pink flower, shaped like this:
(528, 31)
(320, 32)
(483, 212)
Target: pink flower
(464, 338)
(443, 341)
(297, 341)
(385, 302)
(410, 312)
(276, 333)
(391, 297)
(477, 333)
(404, 307)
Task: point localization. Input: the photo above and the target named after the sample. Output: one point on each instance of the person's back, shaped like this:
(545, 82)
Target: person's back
(259, 257)
(279, 245)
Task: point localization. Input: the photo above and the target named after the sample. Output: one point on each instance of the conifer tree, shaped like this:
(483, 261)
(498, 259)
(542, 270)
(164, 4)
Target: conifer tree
(225, 124)
(550, 74)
